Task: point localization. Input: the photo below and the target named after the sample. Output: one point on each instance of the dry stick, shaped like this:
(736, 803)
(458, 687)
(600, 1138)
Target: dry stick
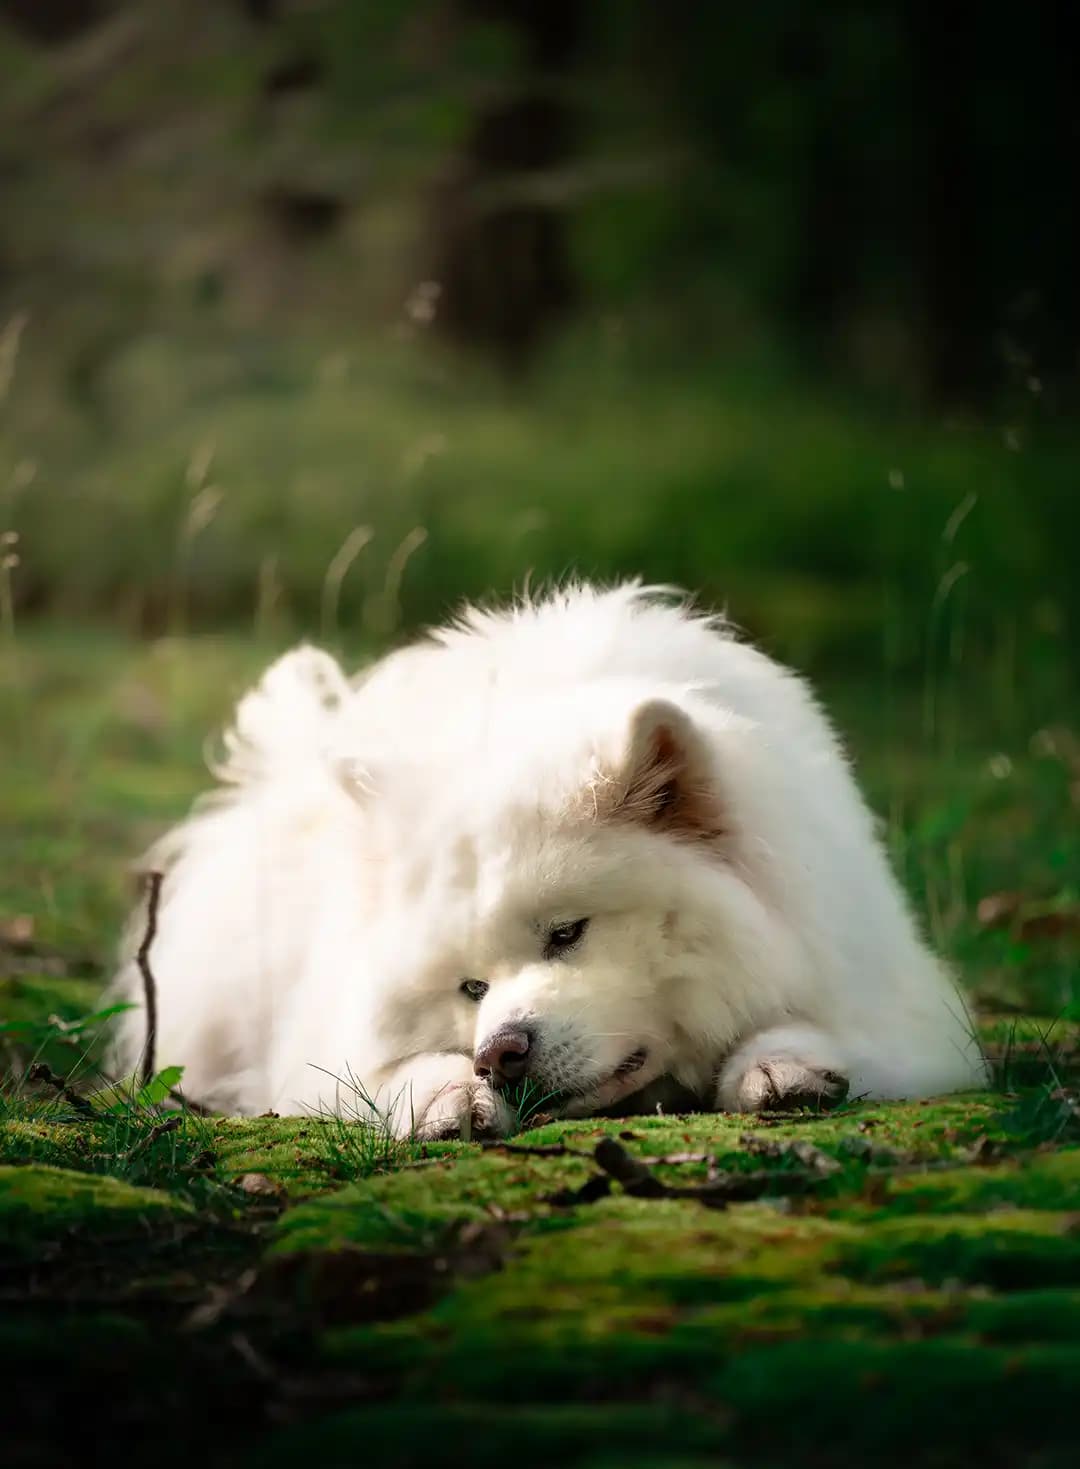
(634, 1176)
(188, 1105)
(40, 1072)
(672, 1160)
(539, 1150)
(638, 1181)
(157, 1131)
(142, 958)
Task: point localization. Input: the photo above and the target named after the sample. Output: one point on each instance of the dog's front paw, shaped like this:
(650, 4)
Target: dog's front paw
(778, 1083)
(469, 1110)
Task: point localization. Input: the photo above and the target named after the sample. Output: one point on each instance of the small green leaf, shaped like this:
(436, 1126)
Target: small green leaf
(99, 1016)
(156, 1091)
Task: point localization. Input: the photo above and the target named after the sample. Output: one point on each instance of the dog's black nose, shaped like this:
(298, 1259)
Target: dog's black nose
(504, 1056)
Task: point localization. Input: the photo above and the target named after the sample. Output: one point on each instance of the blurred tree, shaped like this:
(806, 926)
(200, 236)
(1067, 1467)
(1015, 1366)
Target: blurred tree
(500, 253)
(51, 20)
(887, 183)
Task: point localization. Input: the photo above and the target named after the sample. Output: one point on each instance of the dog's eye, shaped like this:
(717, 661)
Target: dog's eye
(564, 937)
(476, 989)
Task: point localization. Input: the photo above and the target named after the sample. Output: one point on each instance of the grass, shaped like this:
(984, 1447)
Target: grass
(119, 732)
(303, 484)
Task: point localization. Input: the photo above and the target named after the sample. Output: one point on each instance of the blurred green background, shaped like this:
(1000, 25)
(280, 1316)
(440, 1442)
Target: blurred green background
(317, 316)
(781, 305)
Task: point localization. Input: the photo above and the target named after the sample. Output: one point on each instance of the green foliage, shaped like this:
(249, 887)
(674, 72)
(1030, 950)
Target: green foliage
(826, 539)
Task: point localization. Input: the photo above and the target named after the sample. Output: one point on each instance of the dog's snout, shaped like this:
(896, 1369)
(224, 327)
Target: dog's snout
(504, 1057)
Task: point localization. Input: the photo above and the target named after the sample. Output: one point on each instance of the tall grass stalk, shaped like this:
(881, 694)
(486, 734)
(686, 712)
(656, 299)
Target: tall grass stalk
(204, 504)
(383, 616)
(340, 564)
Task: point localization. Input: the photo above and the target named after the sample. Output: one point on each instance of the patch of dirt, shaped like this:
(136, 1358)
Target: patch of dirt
(347, 1286)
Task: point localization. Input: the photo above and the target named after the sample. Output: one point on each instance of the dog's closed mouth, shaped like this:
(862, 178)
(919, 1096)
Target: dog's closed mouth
(612, 1083)
(632, 1063)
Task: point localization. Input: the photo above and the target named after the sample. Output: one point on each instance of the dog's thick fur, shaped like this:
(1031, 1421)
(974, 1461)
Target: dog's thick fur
(599, 755)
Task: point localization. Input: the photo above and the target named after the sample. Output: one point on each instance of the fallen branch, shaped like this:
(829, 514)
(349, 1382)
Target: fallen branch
(159, 1130)
(40, 1072)
(538, 1150)
(188, 1105)
(595, 1187)
(672, 1160)
(154, 881)
(808, 1154)
(634, 1175)
(142, 958)
(725, 1188)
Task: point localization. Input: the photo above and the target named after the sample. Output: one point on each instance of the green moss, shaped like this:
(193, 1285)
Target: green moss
(1049, 1180)
(413, 1208)
(898, 1398)
(304, 1155)
(1025, 1316)
(308, 1155)
(566, 1334)
(41, 1206)
(824, 1308)
(492, 1433)
(613, 1299)
(934, 1128)
(632, 1290)
(748, 1317)
(1007, 1251)
(131, 1144)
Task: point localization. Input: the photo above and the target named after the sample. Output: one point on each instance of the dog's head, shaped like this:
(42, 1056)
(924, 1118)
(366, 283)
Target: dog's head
(560, 923)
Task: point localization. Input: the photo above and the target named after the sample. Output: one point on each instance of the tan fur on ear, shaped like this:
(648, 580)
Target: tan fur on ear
(665, 781)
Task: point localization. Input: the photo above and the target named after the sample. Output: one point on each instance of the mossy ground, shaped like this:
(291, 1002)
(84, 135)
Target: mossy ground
(909, 1289)
(925, 1292)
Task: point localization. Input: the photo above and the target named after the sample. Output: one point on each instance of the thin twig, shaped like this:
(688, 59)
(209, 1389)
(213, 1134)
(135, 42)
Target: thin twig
(142, 958)
(154, 881)
(40, 1072)
(159, 1130)
(726, 1188)
(672, 1160)
(634, 1176)
(597, 1186)
(188, 1105)
(539, 1150)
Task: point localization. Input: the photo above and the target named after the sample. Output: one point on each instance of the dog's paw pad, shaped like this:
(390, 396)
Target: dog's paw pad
(781, 1083)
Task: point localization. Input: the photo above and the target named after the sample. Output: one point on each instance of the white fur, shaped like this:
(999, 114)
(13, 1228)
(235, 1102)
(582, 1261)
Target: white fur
(381, 841)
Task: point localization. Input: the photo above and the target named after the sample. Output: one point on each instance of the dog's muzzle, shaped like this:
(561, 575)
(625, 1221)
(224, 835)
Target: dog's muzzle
(504, 1058)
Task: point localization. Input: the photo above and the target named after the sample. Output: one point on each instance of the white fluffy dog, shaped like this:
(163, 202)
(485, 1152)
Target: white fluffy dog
(586, 843)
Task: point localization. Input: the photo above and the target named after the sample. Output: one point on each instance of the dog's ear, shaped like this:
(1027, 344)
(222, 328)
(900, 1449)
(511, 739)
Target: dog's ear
(666, 779)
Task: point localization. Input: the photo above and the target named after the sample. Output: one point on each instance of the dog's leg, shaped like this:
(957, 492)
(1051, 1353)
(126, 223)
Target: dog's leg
(437, 1096)
(780, 1068)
